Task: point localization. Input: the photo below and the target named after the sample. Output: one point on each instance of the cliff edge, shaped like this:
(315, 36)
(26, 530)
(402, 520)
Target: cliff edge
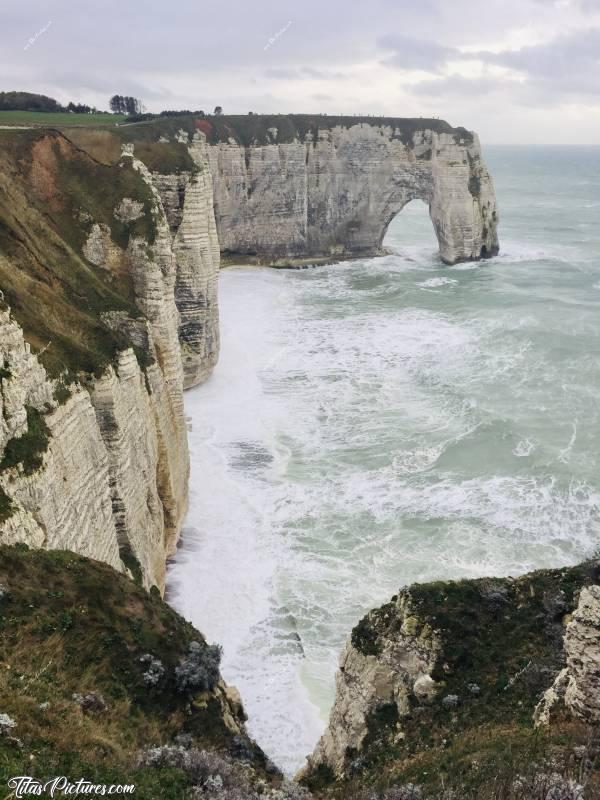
(474, 689)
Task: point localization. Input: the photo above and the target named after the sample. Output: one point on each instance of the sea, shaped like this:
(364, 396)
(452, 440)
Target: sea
(379, 422)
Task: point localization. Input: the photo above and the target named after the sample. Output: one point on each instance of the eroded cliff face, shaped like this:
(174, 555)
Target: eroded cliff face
(188, 203)
(94, 458)
(577, 686)
(467, 686)
(331, 192)
(374, 674)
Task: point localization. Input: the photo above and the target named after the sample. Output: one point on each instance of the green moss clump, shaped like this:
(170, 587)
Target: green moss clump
(501, 646)
(29, 448)
(6, 506)
(61, 393)
(364, 638)
(320, 779)
(475, 185)
(131, 562)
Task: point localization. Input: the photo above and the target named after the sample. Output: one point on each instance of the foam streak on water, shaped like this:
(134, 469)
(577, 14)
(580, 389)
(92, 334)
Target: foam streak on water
(379, 422)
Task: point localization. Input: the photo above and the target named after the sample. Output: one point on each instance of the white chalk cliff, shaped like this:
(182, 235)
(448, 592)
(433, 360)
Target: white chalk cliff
(333, 194)
(113, 480)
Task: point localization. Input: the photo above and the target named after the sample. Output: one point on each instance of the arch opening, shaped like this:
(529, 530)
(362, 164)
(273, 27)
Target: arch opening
(410, 232)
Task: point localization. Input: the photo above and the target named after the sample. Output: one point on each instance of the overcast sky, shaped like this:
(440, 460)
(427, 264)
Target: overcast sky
(514, 70)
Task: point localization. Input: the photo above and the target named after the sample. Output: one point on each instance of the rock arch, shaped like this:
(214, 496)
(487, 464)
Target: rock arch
(332, 192)
(409, 227)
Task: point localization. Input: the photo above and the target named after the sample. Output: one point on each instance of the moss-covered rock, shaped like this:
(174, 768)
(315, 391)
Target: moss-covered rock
(438, 688)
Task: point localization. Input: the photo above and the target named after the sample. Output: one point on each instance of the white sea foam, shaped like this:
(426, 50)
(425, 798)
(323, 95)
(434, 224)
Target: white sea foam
(524, 448)
(434, 283)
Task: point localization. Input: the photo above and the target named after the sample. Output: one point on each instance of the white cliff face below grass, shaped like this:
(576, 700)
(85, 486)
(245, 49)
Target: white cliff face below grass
(333, 198)
(112, 481)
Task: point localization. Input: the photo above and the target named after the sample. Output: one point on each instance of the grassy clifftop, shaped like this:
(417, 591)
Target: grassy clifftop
(260, 129)
(45, 119)
(94, 670)
(245, 129)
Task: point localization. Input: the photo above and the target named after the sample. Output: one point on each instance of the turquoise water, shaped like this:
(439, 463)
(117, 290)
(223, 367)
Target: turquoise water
(380, 422)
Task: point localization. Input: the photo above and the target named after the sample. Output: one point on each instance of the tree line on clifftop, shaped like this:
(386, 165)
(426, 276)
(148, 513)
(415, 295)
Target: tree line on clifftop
(130, 106)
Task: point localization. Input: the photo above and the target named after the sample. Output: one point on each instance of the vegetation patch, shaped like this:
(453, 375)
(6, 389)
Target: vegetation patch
(92, 679)
(102, 145)
(167, 158)
(257, 129)
(45, 119)
(6, 506)
(463, 136)
(61, 393)
(320, 779)
(28, 449)
(475, 185)
(131, 562)
(78, 181)
(365, 635)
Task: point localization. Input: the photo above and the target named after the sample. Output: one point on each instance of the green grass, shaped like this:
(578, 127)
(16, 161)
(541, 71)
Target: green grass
(61, 393)
(254, 129)
(58, 120)
(80, 180)
(131, 562)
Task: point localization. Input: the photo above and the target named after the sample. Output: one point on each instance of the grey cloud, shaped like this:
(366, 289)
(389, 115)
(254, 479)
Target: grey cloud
(304, 73)
(282, 74)
(569, 63)
(459, 86)
(196, 55)
(325, 75)
(410, 53)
